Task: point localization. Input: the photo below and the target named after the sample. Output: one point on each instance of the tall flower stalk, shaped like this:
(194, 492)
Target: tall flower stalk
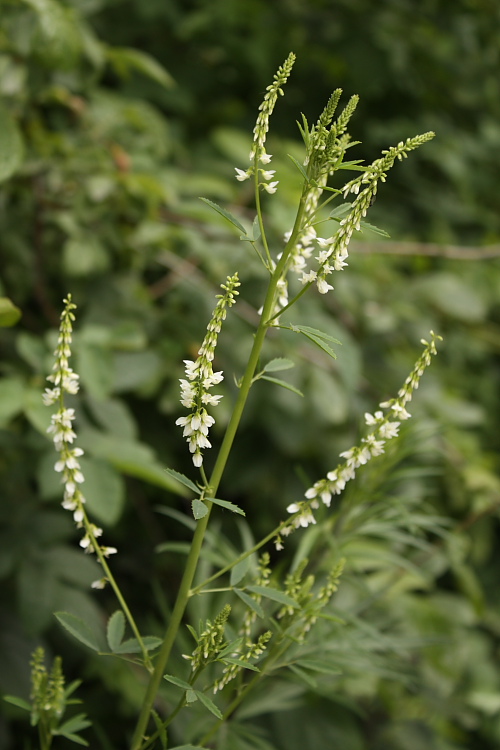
(326, 145)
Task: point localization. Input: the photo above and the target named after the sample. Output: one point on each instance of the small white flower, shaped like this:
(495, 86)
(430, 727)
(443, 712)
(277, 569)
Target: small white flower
(241, 175)
(323, 286)
(271, 187)
(268, 174)
(264, 158)
(309, 277)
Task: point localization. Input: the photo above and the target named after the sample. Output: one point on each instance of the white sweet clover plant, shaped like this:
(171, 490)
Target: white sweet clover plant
(314, 260)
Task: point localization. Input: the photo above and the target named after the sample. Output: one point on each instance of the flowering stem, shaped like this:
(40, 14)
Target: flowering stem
(263, 237)
(215, 478)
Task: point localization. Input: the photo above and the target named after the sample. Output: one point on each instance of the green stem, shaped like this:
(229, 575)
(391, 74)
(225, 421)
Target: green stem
(184, 592)
(244, 555)
(118, 593)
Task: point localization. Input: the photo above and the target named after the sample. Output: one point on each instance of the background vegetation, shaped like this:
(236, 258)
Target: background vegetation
(115, 116)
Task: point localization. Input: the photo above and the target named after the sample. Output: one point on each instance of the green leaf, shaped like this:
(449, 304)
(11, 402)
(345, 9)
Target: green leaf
(104, 490)
(124, 58)
(75, 724)
(239, 571)
(177, 681)
(340, 211)
(12, 393)
(9, 313)
(199, 508)
(19, 702)
(317, 337)
(209, 704)
(299, 167)
(251, 603)
(270, 593)
(78, 630)
(226, 214)
(318, 665)
(74, 738)
(226, 504)
(283, 384)
(303, 675)
(132, 645)
(183, 480)
(240, 663)
(11, 146)
(116, 629)
(315, 332)
(280, 363)
(188, 747)
(374, 229)
(181, 548)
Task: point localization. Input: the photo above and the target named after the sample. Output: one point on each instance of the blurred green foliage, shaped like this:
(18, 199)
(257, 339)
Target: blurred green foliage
(114, 117)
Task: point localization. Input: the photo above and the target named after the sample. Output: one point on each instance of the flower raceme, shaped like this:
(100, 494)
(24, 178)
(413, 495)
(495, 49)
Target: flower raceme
(384, 427)
(200, 377)
(63, 435)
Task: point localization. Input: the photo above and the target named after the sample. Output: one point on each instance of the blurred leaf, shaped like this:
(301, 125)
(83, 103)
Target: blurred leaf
(239, 571)
(132, 645)
(85, 256)
(124, 59)
(60, 42)
(209, 704)
(9, 313)
(12, 392)
(453, 296)
(11, 157)
(283, 384)
(251, 603)
(275, 365)
(19, 702)
(104, 490)
(226, 214)
(277, 596)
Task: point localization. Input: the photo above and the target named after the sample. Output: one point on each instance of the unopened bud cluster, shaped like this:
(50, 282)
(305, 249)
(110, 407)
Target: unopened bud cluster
(201, 377)
(258, 153)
